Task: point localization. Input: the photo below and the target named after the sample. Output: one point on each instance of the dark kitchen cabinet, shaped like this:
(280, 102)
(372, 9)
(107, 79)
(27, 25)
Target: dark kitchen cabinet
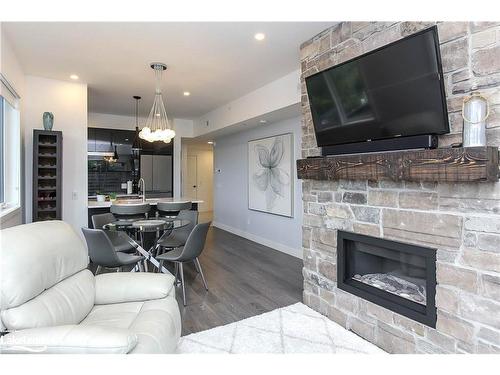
(104, 140)
(90, 139)
(157, 148)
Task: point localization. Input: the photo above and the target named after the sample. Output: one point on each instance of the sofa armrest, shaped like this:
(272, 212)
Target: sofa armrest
(131, 287)
(72, 339)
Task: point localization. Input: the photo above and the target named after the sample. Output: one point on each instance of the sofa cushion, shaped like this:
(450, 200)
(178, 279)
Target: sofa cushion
(131, 287)
(68, 302)
(35, 257)
(69, 339)
(157, 323)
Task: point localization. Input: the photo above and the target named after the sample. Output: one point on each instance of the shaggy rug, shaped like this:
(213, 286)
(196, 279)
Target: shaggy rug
(292, 329)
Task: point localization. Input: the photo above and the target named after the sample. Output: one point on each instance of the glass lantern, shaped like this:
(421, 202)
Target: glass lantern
(475, 112)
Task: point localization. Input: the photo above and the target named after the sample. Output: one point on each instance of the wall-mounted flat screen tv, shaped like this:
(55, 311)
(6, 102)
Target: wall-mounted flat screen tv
(394, 91)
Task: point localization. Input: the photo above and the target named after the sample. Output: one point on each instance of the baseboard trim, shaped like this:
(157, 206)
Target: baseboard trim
(297, 253)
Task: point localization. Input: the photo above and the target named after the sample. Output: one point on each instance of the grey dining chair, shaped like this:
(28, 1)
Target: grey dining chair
(118, 239)
(172, 209)
(103, 254)
(188, 253)
(178, 237)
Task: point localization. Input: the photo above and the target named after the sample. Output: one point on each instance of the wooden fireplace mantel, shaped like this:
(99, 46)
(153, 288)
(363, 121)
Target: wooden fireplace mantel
(472, 164)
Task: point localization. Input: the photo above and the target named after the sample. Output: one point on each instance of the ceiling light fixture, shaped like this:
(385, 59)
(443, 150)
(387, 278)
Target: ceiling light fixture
(262, 121)
(260, 36)
(157, 125)
(210, 142)
(74, 76)
(186, 93)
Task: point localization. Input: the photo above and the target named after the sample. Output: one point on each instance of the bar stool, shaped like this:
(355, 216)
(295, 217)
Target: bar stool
(130, 211)
(172, 209)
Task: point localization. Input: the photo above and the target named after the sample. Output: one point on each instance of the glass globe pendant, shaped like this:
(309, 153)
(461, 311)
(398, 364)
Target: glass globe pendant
(157, 125)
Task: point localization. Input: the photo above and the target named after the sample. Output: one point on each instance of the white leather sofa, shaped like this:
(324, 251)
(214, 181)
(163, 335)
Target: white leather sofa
(51, 303)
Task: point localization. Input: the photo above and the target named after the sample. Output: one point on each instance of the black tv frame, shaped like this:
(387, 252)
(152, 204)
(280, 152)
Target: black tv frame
(416, 141)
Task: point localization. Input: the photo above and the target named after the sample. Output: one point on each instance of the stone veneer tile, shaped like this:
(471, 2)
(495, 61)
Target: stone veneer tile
(443, 341)
(387, 339)
(489, 242)
(457, 277)
(482, 310)
(452, 30)
(361, 328)
(431, 228)
(366, 214)
(491, 287)
(354, 197)
(454, 55)
(447, 299)
(482, 224)
(480, 260)
(327, 269)
(339, 210)
(425, 347)
(384, 198)
(454, 326)
(418, 200)
(366, 229)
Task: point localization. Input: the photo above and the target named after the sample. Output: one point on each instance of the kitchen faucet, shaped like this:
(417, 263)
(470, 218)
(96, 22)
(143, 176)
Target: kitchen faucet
(143, 184)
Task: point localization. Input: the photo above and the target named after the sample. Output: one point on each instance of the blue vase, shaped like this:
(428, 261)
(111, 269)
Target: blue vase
(48, 120)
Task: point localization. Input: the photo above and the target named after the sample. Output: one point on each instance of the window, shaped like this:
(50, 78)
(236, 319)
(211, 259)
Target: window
(2, 153)
(10, 155)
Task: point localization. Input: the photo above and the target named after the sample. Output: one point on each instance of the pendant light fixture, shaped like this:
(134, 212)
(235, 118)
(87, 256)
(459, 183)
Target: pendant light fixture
(136, 145)
(157, 125)
(115, 155)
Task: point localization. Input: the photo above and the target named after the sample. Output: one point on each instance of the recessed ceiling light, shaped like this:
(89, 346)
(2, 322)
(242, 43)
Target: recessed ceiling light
(74, 76)
(210, 142)
(260, 36)
(186, 93)
(262, 121)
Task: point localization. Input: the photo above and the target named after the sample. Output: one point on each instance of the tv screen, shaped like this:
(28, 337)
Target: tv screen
(394, 91)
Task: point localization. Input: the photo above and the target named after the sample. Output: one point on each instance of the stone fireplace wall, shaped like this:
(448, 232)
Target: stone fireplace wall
(461, 220)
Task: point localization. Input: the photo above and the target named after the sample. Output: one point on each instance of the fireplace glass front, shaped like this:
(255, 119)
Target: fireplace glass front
(398, 276)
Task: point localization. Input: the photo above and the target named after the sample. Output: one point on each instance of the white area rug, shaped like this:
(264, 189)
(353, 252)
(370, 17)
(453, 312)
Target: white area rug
(292, 329)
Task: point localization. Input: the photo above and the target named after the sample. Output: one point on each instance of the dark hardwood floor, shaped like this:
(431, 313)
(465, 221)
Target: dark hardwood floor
(244, 279)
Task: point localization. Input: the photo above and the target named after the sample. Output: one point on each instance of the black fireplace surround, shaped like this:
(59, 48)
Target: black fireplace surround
(395, 275)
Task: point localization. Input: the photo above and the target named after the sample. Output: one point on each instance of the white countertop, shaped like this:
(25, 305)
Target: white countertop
(151, 201)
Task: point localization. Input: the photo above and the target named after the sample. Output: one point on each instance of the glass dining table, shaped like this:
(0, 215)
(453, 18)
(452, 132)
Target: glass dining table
(136, 229)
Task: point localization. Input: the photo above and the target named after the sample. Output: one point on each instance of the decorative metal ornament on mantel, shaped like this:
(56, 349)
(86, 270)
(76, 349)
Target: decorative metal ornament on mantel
(157, 126)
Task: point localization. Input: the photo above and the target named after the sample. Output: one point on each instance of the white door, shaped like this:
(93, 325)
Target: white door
(192, 177)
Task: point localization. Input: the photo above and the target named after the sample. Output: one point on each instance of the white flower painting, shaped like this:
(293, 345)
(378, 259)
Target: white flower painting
(270, 179)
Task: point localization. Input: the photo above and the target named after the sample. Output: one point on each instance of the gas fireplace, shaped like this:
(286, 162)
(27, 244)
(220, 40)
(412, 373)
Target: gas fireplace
(395, 275)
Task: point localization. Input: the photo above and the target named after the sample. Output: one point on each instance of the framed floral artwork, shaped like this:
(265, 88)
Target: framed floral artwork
(270, 175)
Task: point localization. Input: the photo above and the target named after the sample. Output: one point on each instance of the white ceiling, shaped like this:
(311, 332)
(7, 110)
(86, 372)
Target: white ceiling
(217, 62)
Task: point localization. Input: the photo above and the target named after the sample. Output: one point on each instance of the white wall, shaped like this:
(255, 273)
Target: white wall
(231, 211)
(68, 102)
(110, 121)
(274, 96)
